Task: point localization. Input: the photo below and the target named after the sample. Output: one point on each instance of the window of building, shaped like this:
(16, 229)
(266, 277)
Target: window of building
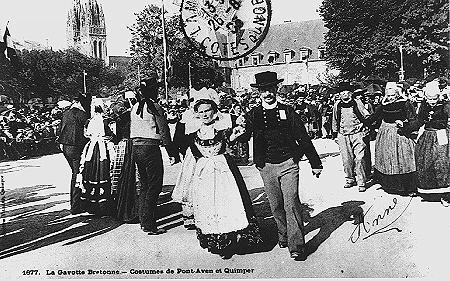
(255, 60)
(288, 55)
(272, 57)
(95, 49)
(305, 53)
(100, 53)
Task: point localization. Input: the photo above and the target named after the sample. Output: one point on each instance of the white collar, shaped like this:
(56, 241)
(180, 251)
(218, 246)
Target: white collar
(265, 105)
(77, 105)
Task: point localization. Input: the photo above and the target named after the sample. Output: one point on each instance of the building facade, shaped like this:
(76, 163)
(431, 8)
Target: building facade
(295, 50)
(86, 29)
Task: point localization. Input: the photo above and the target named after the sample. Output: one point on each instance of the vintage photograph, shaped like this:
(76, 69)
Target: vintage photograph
(224, 139)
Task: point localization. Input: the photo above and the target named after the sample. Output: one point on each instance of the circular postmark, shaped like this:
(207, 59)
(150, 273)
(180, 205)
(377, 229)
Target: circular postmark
(225, 29)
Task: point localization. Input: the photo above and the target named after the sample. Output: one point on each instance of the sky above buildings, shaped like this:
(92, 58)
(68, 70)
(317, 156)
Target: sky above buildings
(44, 21)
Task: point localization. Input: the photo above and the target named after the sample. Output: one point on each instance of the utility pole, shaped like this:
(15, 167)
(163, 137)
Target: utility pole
(165, 51)
(84, 83)
(402, 72)
(190, 81)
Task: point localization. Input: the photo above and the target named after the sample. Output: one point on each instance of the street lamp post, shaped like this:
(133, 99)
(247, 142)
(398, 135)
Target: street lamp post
(402, 72)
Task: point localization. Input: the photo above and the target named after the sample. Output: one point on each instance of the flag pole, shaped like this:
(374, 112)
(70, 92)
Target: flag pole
(165, 51)
(402, 71)
(84, 83)
(190, 81)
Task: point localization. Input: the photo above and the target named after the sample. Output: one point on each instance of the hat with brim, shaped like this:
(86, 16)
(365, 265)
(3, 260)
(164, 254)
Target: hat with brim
(266, 79)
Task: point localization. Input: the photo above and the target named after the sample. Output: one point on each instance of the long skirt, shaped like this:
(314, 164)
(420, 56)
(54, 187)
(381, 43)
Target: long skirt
(116, 165)
(433, 163)
(223, 211)
(96, 182)
(213, 190)
(182, 193)
(395, 166)
(127, 191)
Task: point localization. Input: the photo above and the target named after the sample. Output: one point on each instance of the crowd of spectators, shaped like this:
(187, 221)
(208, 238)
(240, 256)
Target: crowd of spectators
(314, 104)
(28, 131)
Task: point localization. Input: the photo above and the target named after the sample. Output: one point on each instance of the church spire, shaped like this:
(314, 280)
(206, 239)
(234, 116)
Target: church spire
(86, 29)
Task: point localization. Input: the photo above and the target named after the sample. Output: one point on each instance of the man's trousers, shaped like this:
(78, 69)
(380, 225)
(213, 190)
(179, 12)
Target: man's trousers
(354, 152)
(281, 187)
(150, 166)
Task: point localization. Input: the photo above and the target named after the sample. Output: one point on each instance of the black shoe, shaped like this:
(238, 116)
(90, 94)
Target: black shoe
(190, 227)
(228, 252)
(412, 194)
(154, 231)
(282, 244)
(299, 255)
(226, 256)
(157, 231)
(76, 211)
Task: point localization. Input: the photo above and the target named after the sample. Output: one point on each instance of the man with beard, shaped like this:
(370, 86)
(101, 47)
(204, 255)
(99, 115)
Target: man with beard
(279, 142)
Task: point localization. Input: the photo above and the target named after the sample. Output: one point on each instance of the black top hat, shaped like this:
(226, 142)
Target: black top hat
(265, 79)
(345, 86)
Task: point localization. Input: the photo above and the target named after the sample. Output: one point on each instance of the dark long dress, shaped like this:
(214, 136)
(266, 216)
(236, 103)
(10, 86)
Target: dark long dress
(395, 167)
(126, 191)
(433, 152)
(96, 192)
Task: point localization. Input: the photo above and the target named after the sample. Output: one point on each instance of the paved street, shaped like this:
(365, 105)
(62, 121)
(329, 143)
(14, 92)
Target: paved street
(401, 237)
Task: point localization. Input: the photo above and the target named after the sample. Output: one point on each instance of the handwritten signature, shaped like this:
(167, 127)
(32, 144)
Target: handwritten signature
(366, 229)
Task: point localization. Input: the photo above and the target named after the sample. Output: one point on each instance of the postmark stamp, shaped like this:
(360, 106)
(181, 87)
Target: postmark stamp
(225, 29)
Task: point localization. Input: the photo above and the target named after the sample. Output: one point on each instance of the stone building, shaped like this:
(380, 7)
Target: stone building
(295, 50)
(86, 29)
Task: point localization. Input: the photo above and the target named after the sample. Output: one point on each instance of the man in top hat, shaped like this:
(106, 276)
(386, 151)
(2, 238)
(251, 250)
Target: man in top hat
(72, 141)
(148, 129)
(349, 115)
(279, 142)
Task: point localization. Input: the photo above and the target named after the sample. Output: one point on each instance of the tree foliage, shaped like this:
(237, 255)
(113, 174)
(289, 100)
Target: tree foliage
(147, 52)
(48, 73)
(364, 36)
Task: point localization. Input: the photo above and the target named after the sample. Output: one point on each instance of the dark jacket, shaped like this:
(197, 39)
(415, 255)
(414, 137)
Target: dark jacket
(294, 129)
(71, 128)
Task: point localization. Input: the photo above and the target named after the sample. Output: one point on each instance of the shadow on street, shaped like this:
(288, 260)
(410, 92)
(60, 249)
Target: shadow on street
(329, 220)
(30, 225)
